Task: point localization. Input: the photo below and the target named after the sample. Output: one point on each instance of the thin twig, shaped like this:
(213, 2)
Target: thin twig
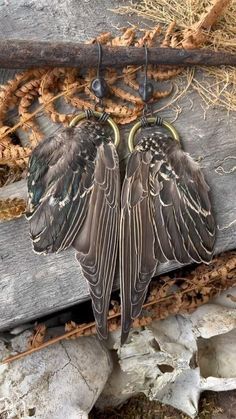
(79, 330)
(170, 103)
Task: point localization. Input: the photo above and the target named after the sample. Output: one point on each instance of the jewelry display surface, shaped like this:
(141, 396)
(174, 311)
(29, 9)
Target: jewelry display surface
(56, 282)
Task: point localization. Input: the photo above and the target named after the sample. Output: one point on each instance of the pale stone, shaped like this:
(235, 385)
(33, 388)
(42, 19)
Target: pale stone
(62, 381)
(175, 359)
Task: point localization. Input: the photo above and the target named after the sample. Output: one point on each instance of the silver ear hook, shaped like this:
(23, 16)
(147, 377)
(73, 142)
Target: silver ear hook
(99, 86)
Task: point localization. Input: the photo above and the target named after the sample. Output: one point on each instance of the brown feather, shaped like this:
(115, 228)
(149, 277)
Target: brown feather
(74, 195)
(165, 215)
(97, 242)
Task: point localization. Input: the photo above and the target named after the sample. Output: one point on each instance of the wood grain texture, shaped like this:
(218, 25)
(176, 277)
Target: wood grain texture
(32, 285)
(59, 20)
(29, 54)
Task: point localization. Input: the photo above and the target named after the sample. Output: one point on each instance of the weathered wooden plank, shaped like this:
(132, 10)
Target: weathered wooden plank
(33, 285)
(14, 190)
(60, 20)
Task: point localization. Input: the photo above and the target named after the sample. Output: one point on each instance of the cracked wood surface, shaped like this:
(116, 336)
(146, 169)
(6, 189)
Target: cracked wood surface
(34, 285)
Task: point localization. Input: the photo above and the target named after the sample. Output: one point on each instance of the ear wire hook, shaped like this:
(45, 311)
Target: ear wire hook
(146, 63)
(146, 93)
(100, 89)
(99, 85)
(146, 88)
(99, 59)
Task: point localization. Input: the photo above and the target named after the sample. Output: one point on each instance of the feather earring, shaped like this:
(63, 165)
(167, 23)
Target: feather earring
(165, 210)
(74, 199)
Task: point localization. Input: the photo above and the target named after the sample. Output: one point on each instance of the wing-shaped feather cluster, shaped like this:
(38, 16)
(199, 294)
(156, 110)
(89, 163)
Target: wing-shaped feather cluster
(74, 199)
(165, 215)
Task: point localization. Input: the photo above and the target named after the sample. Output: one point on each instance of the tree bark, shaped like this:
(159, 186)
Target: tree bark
(29, 54)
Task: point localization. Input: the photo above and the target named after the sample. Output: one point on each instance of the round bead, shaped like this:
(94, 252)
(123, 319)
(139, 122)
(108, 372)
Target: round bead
(146, 91)
(99, 87)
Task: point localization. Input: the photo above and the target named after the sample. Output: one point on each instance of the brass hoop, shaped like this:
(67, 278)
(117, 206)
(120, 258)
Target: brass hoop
(150, 121)
(110, 121)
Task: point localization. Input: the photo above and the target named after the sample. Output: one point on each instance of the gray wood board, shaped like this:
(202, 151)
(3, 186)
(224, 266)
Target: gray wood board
(32, 285)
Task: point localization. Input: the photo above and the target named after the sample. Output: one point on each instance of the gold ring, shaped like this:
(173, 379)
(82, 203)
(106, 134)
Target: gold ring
(110, 121)
(150, 120)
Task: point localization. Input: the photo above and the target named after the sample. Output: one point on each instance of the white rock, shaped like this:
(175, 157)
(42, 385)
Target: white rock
(59, 382)
(212, 320)
(118, 381)
(216, 356)
(227, 298)
(175, 359)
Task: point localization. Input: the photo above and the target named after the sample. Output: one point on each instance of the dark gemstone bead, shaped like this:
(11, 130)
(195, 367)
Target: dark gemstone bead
(146, 91)
(99, 87)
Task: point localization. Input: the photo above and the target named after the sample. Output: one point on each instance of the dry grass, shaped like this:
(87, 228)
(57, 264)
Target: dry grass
(217, 87)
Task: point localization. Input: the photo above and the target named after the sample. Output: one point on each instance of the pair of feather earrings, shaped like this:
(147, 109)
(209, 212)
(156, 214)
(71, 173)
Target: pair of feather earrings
(161, 213)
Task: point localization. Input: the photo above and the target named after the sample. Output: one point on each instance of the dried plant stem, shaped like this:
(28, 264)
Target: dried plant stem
(195, 36)
(205, 279)
(52, 341)
(203, 23)
(177, 96)
(210, 17)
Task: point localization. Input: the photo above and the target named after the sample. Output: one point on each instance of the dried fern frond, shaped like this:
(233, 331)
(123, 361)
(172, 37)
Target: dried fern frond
(11, 208)
(193, 24)
(44, 89)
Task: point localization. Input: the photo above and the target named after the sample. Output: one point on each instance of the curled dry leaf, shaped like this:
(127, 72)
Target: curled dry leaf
(125, 40)
(83, 329)
(15, 156)
(130, 77)
(161, 94)
(103, 38)
(38, 337)
(168, 35)
(11, 208)
(126, 96)
(149, 38)
(111, 76)
(163, 73)
(73, 326)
